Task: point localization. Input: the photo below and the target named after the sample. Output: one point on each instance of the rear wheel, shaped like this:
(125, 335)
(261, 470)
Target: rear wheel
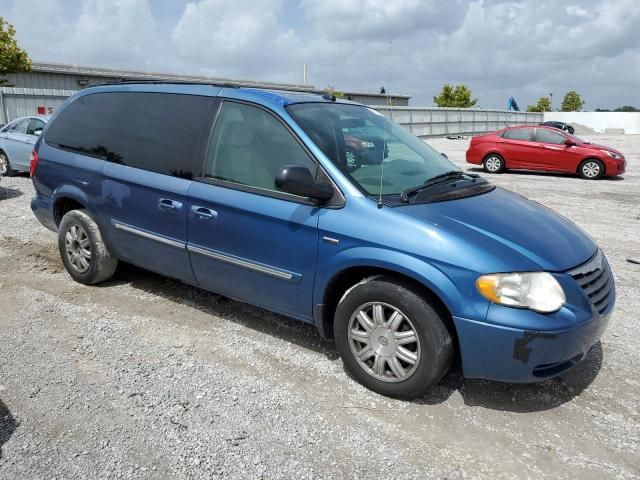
(391, 339)
(5, 166)
(493, 163)
(591, 169)
(83, 251)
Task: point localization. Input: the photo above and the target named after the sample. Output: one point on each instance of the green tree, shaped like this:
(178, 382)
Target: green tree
(543, 105)
(572, 102)
(12, 58)
(331, 90)
(459, 97)
(626, 108)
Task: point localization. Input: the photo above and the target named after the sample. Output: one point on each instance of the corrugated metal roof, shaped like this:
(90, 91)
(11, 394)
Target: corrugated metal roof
(137, 75)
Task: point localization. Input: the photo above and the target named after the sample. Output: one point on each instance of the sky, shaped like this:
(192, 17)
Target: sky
(524, 49)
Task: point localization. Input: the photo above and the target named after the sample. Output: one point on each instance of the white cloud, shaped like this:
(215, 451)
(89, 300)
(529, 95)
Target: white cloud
(498, 47)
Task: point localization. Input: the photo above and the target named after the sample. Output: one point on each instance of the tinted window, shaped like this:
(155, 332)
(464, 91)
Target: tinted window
(250, 147)
(35, 124)
(152, 131)
(518, 134)
(547, 136)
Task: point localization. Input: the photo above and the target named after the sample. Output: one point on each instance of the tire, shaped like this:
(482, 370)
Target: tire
(5, 166)
(571, 130)
(82, 249)
(493, 163)
(591, 169)
(392, 310)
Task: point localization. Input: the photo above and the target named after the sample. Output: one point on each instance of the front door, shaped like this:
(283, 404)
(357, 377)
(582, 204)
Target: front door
(554, 154)
(246, 239)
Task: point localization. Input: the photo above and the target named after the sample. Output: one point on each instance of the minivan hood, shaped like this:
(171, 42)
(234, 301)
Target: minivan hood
(522, 233)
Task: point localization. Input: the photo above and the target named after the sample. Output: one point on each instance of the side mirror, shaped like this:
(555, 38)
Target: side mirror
(298, 180)
(37, 132)
(568, 142)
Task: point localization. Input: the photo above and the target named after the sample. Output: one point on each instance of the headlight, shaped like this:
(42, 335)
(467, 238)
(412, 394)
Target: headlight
(612, 154)
(537, 291)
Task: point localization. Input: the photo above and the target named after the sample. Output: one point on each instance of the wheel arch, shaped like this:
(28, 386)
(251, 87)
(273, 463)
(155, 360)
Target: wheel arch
(342, 280)
(591, 157)
(65, 199)
(497, 153)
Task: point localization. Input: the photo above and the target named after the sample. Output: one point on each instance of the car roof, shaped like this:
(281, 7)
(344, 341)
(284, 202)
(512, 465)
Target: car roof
(265, 97)
(44, 118)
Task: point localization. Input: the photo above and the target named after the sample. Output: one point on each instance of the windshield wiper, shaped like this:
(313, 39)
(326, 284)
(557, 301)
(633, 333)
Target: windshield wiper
(438, 179)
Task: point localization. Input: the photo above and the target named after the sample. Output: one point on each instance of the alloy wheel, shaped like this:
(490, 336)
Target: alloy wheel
(4, 164)
(384, 342)
(591, 169)
(493, 164)
(78, 248)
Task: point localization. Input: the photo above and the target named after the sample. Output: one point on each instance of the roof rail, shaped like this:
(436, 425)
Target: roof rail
(128, 81)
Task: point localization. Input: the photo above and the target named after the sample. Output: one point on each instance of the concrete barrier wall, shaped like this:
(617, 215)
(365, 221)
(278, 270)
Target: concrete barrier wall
(441, 122)
(600, 122)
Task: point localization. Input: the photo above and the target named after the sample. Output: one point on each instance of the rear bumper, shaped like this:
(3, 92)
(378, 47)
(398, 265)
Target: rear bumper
(42, 208)
(508, 354)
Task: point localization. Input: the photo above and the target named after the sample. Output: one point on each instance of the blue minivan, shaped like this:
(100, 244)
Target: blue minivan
(325, 211)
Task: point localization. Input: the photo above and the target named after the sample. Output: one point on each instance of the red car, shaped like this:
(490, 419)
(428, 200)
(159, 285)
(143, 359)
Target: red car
(544, 148)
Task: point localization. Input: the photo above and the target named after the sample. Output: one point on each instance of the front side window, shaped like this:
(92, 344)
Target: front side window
(547, 136)
(518, 134)
(157, 132)
(371, 149)
(250, 147)
(35, 124)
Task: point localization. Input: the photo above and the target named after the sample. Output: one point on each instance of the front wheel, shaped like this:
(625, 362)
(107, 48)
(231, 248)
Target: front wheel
(591, 169)
(391, 339)
(493, 163)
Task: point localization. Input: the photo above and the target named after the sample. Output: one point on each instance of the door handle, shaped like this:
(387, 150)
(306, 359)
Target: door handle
(204, 213)
(168, 205)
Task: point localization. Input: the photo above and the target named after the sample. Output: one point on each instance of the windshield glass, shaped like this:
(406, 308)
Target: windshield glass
(361, 142)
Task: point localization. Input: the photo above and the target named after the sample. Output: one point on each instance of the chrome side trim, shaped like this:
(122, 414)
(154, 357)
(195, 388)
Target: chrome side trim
(240, 263)
(147, 235)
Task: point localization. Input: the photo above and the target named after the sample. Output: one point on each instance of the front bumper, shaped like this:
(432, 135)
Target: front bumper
(524, 356)
(522, 346)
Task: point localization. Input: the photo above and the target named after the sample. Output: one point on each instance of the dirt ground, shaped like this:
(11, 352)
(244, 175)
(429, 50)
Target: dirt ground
(144, 377)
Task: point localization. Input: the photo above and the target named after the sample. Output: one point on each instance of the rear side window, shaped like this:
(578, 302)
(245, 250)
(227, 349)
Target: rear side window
(158, 132)
(547, 136)
(19, 126)
(518, 134)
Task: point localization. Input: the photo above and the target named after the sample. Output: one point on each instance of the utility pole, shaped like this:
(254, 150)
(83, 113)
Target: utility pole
(304, 73)
(551, 100)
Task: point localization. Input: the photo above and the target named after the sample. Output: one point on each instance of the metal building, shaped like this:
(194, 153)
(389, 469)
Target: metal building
(76, 77)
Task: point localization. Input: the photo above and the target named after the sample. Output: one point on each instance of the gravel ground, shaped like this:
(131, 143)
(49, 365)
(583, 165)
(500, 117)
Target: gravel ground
(145, 377)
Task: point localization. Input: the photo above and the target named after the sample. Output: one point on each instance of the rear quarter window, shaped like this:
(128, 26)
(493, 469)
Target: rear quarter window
(158, 132)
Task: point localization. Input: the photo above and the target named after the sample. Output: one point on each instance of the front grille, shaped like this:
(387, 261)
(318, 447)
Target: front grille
(596, 280)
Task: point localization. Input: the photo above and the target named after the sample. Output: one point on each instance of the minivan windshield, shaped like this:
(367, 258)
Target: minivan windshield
(363, 144)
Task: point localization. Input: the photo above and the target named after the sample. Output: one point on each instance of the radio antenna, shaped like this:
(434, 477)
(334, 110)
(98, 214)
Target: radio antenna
(386, 128)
